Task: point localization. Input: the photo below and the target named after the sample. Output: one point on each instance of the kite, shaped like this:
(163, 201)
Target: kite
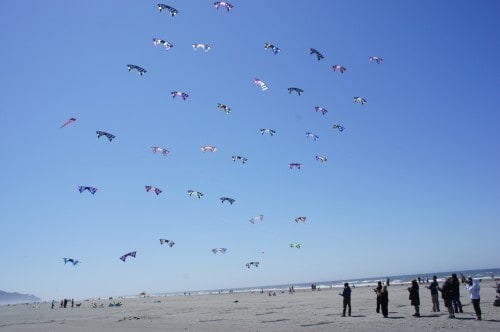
(319, 56)
(230, 200)
(256, 264)
(216, 250)
(196, 193)
(169, 242)
(92, 190)
(340, 68)
(70, 121)
(295, 245)
(376, 59)
(321, 109)
(263, 85)
(141, 71)
(223, 3)
(296, 165)
(360, 100)
(321, 158)
(130, 254)
(103, 133)
(165, 43)
(243, 159)
(275, 49)
(71, 260)
(268, 131)
(209, 148)
(205, 47)
(171, 10)
(226, 109)
(299, 91)
(177, 93)
(339, 127)
(303, 219)
(313, 136)
(156, 190)
(260, 217)
(158, 149)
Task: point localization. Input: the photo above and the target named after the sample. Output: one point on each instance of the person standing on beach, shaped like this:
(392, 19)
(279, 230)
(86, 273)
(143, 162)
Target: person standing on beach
(447, 295)
(377, 291)
(433, 287)
(457, 305)
(384, 301)
(473, 287)
(346, 294)
(415, 297)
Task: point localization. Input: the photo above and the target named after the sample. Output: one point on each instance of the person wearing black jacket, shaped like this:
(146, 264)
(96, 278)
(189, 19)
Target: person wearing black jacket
(447, 295)
(457, 305)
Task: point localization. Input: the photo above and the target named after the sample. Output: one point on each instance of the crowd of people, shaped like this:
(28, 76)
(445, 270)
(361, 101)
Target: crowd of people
(450, 294)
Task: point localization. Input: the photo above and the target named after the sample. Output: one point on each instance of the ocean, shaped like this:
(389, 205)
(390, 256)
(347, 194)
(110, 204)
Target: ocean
(358, 282)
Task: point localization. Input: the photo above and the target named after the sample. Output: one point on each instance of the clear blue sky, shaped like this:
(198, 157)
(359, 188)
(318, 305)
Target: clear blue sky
(411, 185)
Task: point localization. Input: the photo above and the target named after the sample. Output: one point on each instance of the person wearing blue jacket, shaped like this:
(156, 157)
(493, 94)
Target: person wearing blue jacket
(346, 294)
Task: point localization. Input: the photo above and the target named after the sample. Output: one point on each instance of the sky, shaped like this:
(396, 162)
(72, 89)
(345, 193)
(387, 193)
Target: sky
(411, 185)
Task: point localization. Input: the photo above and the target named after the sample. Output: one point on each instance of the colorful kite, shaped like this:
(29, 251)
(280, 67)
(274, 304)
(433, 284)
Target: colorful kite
(227, 5)
(321, 158)
(303, 219)
(158, 149)
(205, 47)
(178, 93)
(275, 49)
(71, 260)
(256, 264)
(171, 10)
(92, 190)
(339, 127)
(195, 193)
(299, 91)
(340, 68)
(216, 250)
(226, 109)
(319, 56)
(263, 85)
(140, 70)
(376, 59)
(230, 200)
(360, 100)
(268, 131)
(165, 43)
(70, 121)
(208, 148)
(321, 109)
(156, 190)
(295, 245)
(169, 242)
(260, 217)
(313, 136)
(242, 159)
(103, 133)
(296, 165)
(130, 254)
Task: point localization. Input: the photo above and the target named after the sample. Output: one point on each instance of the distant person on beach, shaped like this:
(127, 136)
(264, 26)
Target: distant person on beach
(346, 294)
(472, 285)
(415, 297)
(384, 301)
(447, 295)
(387, 281)
(72, 303)
(377, 291)
(53, 303)
(433, 287)
(457, 305)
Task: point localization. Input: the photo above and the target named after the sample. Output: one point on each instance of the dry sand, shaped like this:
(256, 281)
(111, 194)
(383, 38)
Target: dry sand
(305, 310)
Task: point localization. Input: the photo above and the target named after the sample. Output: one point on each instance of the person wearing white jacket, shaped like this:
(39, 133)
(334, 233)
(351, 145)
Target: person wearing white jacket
(472, 285)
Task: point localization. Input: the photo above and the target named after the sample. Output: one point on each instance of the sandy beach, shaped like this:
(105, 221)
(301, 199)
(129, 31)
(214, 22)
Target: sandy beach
(304, 310)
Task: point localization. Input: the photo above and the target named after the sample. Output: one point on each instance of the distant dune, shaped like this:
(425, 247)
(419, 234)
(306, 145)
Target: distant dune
(13, 298)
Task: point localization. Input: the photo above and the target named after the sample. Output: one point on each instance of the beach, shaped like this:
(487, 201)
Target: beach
(303, 310)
